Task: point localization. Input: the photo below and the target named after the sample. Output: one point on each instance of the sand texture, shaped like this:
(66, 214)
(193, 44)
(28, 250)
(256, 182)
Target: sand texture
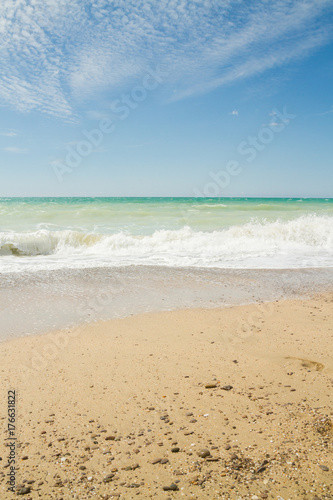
(232, 403)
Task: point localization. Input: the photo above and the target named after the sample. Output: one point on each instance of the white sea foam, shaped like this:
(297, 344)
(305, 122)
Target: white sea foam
(306, 241)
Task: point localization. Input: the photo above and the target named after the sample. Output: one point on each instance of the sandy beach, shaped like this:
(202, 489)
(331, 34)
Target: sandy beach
(230, 403)
(166, 250)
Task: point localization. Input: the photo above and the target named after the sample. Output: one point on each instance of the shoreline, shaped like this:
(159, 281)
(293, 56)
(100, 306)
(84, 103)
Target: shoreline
(34, 303)
(109, 408)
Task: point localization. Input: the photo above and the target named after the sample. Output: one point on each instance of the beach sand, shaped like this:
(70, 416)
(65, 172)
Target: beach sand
(125, 407)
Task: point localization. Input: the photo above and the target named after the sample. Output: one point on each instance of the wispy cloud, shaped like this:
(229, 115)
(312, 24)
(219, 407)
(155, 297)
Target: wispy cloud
(8, 133)
(58, 54)
(234, 112)
(328, 112)
(15, 150)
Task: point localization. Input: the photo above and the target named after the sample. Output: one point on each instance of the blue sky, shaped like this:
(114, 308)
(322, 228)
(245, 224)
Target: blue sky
(166, 98)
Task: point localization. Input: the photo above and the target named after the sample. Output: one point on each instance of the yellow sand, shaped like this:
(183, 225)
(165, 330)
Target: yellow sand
(137, 381)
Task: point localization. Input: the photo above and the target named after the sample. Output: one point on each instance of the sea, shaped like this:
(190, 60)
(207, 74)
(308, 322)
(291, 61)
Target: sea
(69, 261)
(243, 233)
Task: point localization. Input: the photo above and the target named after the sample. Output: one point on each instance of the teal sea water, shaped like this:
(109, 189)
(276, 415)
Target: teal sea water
(59, 233)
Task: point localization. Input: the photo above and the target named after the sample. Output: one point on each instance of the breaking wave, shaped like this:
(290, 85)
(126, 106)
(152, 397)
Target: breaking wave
(303, 242)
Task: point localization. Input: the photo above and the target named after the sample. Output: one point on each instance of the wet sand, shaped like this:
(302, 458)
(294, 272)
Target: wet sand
(38, 302)
(226, 403)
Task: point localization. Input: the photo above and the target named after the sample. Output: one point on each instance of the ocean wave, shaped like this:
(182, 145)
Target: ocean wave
(210, 205)
(294, 240)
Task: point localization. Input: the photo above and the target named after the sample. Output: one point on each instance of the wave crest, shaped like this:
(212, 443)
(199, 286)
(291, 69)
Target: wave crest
(297, 237)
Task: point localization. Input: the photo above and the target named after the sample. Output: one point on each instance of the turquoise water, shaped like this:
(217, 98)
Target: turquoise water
(53, 233)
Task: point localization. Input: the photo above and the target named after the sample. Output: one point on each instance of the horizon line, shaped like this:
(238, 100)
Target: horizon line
(181, 197)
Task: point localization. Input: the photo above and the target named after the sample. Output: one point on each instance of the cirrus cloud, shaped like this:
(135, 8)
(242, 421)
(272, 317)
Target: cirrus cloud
(57, 54)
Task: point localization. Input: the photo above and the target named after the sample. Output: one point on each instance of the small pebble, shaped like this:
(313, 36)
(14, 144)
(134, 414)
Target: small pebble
(172, 487)
(204, 453)
(24, 491)
(108, 478)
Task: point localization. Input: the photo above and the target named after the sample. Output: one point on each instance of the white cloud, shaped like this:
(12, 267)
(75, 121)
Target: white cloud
(58, 54)
(234, 112)
(97, 115)
(15, 150)
(328, 112)
(9, 133)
